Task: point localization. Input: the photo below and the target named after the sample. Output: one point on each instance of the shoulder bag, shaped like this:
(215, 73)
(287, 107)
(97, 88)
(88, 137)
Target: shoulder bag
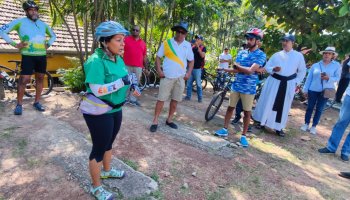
(328, 93)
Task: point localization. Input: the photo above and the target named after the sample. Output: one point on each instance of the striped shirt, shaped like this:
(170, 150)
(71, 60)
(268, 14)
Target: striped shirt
(246, 83)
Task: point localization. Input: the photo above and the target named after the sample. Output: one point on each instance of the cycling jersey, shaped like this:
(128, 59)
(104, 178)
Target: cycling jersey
(33, 33)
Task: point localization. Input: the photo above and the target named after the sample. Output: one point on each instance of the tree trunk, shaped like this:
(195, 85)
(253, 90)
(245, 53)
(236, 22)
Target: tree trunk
(146, 24)
(86, 35)
(70, 32)
(225, 32)
(152, 26)
(130, 14)
(81, 55)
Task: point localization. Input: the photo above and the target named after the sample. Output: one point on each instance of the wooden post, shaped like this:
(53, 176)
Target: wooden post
(2, 89)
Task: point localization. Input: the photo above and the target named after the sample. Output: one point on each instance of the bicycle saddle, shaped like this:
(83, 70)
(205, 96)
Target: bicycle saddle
(15, 61)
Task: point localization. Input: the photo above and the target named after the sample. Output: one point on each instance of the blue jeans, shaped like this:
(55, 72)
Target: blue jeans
(314, 99)
(339, 129)
(195, 76)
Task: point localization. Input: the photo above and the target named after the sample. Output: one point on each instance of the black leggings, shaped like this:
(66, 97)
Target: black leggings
(103, 130)
(343, 84)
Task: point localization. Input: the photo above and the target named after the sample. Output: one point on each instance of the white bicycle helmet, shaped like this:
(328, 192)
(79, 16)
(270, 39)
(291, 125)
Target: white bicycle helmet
(109, 28)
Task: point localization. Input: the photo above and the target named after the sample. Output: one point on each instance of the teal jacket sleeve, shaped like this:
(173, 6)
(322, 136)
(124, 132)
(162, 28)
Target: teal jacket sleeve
(5, 29)
(51, 34)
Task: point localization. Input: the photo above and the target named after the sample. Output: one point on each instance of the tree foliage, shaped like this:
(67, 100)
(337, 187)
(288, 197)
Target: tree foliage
(317, 24)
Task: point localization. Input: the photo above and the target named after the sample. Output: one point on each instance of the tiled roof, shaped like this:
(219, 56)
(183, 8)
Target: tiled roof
(12, 9)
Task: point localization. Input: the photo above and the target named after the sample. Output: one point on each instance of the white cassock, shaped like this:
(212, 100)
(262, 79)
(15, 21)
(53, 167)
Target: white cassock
(267, 112)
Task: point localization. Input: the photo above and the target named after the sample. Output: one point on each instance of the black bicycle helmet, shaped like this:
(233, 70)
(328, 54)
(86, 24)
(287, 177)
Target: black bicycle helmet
(29, 4)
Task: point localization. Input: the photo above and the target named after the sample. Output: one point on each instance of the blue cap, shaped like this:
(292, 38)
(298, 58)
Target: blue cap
(199, 37)
(289, 37)
(182, 25)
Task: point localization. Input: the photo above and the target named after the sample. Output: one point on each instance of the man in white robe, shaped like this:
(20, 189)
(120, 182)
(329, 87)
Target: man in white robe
(287, 69)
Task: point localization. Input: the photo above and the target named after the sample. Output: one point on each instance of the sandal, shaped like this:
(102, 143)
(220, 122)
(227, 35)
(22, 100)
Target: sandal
(100, 193)
(113, 173)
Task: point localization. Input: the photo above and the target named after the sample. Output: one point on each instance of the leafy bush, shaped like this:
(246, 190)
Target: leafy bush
(73, 78)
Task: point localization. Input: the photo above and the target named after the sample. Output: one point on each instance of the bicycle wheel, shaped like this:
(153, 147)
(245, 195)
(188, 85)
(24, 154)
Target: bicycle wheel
(47, 85)
(143, 81)
(214, 105)
(152, 78)
(203, 83)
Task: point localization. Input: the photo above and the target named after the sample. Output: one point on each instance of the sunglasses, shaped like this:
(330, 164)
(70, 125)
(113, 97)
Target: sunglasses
(182, 32)
(136, 30)
(249, 39)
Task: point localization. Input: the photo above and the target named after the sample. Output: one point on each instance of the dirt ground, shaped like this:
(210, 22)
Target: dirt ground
(271, 168)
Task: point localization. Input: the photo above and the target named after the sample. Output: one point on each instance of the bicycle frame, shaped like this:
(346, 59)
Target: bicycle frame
(12, 83)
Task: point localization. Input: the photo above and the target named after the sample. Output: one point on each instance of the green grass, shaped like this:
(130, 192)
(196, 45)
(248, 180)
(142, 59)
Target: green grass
(131, 163)
(155, 176)
(216, 195)
(157, 194)
(7, 132)
(32, 162)
(20, 147)
(185, 191)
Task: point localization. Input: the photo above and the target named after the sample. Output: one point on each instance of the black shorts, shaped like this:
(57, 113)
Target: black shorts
(32, 64)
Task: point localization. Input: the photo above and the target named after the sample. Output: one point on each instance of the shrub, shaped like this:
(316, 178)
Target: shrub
(73, 78)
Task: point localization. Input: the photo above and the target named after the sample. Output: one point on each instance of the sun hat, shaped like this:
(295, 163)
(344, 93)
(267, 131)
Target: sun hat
(329, 49)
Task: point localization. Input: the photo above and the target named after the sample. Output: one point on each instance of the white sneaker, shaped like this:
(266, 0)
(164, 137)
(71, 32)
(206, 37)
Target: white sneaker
(313, 130)
(304, 127)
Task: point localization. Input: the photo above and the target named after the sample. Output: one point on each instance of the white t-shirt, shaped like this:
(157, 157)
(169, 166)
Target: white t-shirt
(224, 56)
(184, 51)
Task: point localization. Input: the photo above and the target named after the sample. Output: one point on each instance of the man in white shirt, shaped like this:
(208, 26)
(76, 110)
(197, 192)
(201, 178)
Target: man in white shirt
(225, 59)
(178, 57)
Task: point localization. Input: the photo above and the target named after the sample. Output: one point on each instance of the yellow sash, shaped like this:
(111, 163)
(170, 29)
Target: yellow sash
(170, 53)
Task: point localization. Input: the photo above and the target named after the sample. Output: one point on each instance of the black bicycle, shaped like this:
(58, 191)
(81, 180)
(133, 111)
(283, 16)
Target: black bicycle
(10, 78)
(217, 81)
(218, 98)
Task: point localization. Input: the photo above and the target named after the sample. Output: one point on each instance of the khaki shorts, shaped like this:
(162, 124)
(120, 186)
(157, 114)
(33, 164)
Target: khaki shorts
(247, 100)
(171, 87)
(136, 70)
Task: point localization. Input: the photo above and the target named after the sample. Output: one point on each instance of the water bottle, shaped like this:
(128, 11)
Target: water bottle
(3, 74)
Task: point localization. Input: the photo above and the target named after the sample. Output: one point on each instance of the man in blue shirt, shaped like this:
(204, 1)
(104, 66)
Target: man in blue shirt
(246, 66)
